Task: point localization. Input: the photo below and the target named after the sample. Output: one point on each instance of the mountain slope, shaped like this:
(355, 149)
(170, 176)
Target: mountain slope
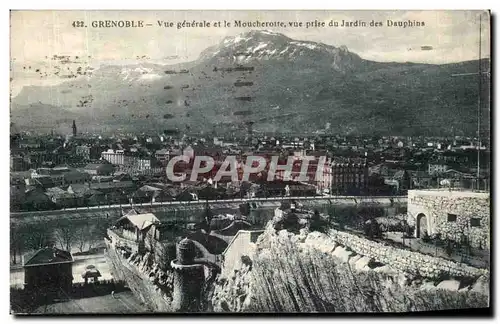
(281, 84)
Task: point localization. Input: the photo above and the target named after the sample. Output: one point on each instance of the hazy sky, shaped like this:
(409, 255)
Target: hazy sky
(38, 35)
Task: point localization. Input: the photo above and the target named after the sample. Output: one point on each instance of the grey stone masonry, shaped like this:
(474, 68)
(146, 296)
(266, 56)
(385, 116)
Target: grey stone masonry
(456, 215)
(403, 260)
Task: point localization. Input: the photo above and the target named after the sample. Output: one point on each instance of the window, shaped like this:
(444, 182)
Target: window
(452, 218)
(475, 222)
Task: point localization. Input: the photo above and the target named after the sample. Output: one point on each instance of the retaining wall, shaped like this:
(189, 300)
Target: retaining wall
(403, 260)
(149, 283)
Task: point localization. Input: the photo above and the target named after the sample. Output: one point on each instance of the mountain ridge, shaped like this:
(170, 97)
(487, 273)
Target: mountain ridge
(265, 77)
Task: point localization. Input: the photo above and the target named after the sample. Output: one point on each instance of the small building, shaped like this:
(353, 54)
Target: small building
(436, 168)
(99, 169)
(147, 194)
(29, 144)
(63, 198)
(36, 199)
(130, 230)
(83, 151)
(238, 250)
(403, 179)
(122, 177)
(162, 155)
(455, 215)
(301, 190)
(45, 182)
(75, 177)
(48, 269)
(91, 274)
(122, 187)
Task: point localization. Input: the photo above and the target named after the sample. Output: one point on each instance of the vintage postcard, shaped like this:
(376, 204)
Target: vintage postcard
(250, 162)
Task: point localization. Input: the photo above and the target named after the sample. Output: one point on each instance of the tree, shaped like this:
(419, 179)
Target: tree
(36, 236)
(345, 216)
(151, 241)
(85, 236)
(16, 242)
(290, 222)
(65, 235)
(316, 223)
(80, 238)
(425, 237)
(245, 209)
(449, 248)
(372, 229)
(208, 216)
(369, 212)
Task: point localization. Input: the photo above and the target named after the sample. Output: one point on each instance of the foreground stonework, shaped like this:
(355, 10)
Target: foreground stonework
(315, 272)
(452, 214)
(149, 283)
(410, 262)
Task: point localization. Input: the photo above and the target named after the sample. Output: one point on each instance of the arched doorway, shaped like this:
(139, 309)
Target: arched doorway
(421, 225)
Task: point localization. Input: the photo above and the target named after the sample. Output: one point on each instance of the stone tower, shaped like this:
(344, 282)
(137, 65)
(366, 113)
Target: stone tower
(74, 128)
(189, 279)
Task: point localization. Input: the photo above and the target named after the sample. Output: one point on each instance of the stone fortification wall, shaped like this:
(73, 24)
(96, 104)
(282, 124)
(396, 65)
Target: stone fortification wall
(401, 260)
(144, 277)
(469, 214)
(315, 272)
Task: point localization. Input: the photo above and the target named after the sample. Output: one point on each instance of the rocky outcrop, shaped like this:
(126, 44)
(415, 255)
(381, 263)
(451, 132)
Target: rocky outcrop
(232, 294)
(314, 272)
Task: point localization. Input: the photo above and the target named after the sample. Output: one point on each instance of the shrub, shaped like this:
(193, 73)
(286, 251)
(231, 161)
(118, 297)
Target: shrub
(449, 248)
(372, 229)
(426, 238)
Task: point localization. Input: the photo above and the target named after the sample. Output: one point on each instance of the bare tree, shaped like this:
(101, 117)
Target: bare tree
(91, 236)
(80, 237)
(85, 235)
(16, 241)
(65, 235)
(36, 236)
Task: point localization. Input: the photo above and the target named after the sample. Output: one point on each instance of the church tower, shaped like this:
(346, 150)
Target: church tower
(74, 128)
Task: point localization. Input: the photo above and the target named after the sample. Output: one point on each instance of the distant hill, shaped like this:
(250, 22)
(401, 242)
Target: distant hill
(281, 84)
(42, 117)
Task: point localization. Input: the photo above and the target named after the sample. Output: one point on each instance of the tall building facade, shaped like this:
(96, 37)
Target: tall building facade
(114, 157)
(348, 178)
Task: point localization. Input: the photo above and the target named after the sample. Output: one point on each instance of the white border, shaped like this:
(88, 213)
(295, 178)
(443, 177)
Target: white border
(187, 4)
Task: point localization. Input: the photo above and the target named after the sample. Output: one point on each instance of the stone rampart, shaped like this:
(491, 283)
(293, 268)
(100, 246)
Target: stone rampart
(149, 283)
(407, 261)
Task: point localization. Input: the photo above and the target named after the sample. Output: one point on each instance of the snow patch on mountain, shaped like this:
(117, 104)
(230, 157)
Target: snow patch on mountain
(150, 77)
(308, 45)
(240, 38)
(139, 73)
(284, 51)
(269, 32)
(258, 47)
